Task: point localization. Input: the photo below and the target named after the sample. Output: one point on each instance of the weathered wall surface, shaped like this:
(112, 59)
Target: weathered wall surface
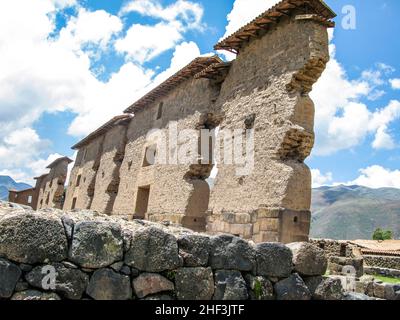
(172, 187)
(382, 261)
(25, 197)
(106, 258)
(266, 82)
(51, 189)
(108, 174)
(80, 191)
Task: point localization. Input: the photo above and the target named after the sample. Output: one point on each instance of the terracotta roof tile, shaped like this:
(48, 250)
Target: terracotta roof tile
(55, 162)
(316, 8)
(182, 75)
(101, 130)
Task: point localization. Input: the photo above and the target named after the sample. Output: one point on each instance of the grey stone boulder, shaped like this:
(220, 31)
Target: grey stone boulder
(274, 260)
(194, 283)
(106, 284)
(96, 244)
(329, 289)
(292, 288)
(312, 283)
(35, 295)
(9, 276)
(379, 290)
(32, 238)
(230, 285)
(21, 286)
(153, 250)
(232, 253)
(356, 296)
(69, 283)
(151, 283)
(259, 288)
(308, 259)
(194, 249)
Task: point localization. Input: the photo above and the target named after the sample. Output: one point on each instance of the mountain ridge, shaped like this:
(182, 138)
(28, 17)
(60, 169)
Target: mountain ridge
(354, 212)
(7, 183)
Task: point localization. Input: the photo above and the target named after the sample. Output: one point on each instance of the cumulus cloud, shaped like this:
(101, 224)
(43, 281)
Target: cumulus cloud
(319, 179)
(143, 43)
(188, 13)
(395, 83)
(88, 27)
(342, 119)
(378, 177)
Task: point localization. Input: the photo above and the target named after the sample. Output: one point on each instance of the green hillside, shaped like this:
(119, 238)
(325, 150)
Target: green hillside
(354, 212)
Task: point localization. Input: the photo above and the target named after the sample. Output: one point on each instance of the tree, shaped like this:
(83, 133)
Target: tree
(382, 235)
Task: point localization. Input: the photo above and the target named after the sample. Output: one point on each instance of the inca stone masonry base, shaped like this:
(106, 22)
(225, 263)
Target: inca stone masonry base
(101, 257)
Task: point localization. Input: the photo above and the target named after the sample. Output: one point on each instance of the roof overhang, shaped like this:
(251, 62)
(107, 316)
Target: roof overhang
(317, 8)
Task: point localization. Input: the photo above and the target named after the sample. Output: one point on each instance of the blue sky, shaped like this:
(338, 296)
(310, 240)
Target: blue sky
(69, 65)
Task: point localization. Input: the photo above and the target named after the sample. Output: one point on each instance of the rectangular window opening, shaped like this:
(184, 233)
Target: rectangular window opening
(78, 180)
(160, 110)
(150, 156)
(142, 202)
(73, 204)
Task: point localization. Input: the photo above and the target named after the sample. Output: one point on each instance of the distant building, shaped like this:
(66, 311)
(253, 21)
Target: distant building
(49, 189)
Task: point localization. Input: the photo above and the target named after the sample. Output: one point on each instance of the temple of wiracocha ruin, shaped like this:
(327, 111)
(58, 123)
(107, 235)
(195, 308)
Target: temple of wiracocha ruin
(280, 55)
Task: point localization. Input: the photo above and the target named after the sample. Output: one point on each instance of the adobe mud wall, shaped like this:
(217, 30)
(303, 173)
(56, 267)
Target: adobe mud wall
(260, 84)
(172, 185)
(51, 186)
(25, 197)
(84, 255)
(388, 262)
(80, 190)
(265, 90)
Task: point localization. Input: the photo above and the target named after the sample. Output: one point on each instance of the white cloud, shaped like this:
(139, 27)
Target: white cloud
(342, 120)
(143, 43)
(38, 167)
(64, 3)
(383, 140)
(395, 83)
(183, 55)
(19, 148)
(377, 177)
(18, 175)
(104, 100)
(189, 13)
(87, 27)
(242, 13)
(319, 179)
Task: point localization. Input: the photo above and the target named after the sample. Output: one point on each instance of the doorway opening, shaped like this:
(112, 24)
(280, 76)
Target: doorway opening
(142, 202)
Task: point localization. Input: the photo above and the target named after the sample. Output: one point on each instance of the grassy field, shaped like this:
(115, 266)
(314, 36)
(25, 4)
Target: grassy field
(388, 279)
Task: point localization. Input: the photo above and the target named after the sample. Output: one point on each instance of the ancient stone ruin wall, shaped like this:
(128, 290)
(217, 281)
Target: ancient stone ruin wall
(389, 262)
(176, 192)
(266, 89)
(264, 83)
(107, 179)
(80, 191)
(93, 256)
(25, 197)
(51, 189)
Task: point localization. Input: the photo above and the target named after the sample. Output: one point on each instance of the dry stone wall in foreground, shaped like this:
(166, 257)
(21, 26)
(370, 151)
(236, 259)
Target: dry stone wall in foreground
(52, 255)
